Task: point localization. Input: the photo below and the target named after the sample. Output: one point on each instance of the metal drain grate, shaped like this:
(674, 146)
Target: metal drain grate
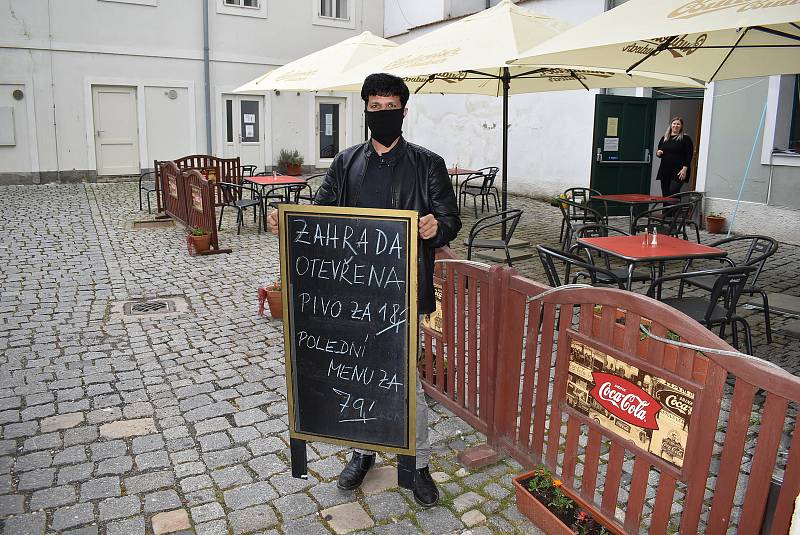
(140, 308)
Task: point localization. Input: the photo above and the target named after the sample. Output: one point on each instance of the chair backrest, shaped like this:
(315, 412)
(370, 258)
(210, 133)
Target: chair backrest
(728, 288)
(672, 217)
(757, 252)
(147, 176)
(248, 170)
(230, 192)
(575, 211)
(547, 255)
(509, 217)
(597, 231)
(695, 198)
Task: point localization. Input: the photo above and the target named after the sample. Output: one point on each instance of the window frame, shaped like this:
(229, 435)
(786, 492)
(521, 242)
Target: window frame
(777, 123)
(353, 11)
(259, 12)
(152, 3)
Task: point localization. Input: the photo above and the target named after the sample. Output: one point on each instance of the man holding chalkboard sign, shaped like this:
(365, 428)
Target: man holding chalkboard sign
(388, 172)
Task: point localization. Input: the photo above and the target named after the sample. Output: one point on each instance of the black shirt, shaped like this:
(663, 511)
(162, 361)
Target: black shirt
(376, 191)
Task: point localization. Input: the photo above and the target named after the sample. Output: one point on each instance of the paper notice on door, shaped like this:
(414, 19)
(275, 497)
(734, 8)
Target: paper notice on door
(611, 126)
(610, 144)
(328, 124)
(248, 130)
(249, 118)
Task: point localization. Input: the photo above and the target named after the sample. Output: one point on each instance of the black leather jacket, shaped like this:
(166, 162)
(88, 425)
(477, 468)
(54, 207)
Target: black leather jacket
(419, 182)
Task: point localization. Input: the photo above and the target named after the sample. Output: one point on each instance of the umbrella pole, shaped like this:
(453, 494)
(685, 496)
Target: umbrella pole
(506, 79)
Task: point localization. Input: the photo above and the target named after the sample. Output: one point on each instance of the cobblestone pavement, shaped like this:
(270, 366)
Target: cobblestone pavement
(120, 425)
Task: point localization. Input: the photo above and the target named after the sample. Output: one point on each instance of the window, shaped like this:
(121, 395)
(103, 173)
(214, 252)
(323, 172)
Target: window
(243, 8)
(229, 121)
(242, 3)
(794, 125)
(333, 9)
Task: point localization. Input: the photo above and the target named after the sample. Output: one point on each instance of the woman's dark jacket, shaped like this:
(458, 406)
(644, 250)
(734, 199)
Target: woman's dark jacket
(419, 182)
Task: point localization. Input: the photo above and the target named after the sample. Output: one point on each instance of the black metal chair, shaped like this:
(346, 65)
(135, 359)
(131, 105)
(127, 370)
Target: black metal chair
(549, 256)
(306, 192)
(248, 170)
(695, 198)
(576, 216)
(756, 254)
(233, 196)
(147, 183)
(668, 220)
(620, 273)
(480, 184)
(719, 308)
(494, 221)
(578, 195)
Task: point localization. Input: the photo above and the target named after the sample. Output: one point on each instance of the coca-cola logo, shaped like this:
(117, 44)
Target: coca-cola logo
(675, 401)
(625, 400)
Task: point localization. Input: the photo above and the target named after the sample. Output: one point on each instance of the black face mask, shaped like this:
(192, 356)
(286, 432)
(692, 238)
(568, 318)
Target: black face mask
(385, 125)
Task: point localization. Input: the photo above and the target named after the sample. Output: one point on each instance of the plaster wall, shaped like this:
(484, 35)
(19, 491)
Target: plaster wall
(152, 47)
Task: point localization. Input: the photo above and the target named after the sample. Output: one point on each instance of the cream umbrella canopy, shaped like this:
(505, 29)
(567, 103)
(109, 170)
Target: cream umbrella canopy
(316, 70)
(470, 56)
(696, 38)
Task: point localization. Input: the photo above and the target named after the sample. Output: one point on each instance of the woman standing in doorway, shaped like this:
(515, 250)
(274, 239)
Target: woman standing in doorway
(675, 150)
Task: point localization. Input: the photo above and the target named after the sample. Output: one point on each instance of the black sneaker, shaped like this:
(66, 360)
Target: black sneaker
(353, 474)
(425, 492)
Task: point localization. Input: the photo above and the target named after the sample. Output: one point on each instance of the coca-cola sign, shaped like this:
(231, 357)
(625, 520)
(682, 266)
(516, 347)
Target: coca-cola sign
(625, 400)
(675, 401)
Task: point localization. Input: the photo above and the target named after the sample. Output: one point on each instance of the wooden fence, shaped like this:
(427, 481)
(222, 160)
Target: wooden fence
(532, 377)
(189, 198)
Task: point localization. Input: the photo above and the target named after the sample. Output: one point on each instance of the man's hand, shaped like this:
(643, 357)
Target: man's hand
(272, 221)
(428, 226)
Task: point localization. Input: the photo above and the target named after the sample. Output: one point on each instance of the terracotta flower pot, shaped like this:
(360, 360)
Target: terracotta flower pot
(275, 302)
(202, 243)
(715, 224)
(293, 170)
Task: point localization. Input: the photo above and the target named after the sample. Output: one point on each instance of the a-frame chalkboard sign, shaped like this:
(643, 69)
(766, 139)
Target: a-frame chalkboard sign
(350, 327)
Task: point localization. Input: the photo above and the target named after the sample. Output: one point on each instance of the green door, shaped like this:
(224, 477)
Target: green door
(622, 146)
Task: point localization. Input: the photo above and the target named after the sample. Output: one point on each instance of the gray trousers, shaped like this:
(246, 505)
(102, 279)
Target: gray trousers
(423, 443)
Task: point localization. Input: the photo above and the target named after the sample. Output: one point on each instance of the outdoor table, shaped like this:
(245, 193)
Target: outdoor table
(631, 250)
(455, 172)
(275, 182)
(632, 200)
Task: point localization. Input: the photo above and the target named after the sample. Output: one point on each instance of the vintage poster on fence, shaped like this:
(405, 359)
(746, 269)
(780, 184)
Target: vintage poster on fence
(434, 321)
(651, 412)
(197, 199)
(173, 186)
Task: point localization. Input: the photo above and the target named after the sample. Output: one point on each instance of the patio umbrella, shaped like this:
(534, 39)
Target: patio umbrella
(470, 55)
(316, 70)
(703, 40)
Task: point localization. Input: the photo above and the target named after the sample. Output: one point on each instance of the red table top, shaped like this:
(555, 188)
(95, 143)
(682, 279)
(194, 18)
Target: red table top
(459, 171)
(280, 180)
(635, 198)
(668, 248)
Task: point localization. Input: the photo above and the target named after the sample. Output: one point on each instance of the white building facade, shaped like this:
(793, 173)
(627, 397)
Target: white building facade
(100, 88)
(554, 137)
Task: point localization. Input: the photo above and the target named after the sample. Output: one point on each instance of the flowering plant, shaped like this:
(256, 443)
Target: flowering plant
(549, 491)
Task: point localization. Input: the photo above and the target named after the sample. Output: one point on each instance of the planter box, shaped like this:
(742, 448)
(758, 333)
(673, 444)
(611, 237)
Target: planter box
(541, 516)
(536, 511)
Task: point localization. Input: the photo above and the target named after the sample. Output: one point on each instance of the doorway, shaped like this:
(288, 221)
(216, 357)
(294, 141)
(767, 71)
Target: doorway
(243, 130)
(116, 130)
(672, 103)
(622, 148)
(330, 128)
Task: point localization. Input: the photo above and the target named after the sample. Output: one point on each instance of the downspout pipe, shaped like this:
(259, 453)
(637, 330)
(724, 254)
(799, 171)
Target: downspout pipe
(207, 77)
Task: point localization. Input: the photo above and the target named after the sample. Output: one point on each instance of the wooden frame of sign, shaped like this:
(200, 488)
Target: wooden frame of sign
(350, 326)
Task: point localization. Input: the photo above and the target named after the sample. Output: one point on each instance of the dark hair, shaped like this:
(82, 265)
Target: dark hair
(384, 85)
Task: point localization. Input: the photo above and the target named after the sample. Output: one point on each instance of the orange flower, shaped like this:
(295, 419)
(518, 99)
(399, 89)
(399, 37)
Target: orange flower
(557, 483)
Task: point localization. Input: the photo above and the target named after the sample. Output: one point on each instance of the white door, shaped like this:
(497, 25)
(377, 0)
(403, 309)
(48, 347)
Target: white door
(15, 154)
(116, 131)
(243, 131)
(330, 118)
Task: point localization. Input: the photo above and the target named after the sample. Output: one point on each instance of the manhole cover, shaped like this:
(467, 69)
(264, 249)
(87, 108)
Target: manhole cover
(139, 308)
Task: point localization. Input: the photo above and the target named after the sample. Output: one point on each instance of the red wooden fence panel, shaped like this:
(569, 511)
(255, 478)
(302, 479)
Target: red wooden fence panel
(201, 211)
(650, 436)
